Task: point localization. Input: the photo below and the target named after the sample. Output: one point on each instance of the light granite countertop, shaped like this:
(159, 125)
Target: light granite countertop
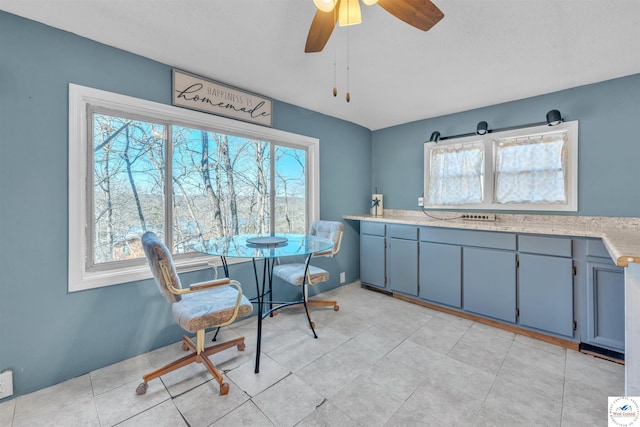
(621, 235)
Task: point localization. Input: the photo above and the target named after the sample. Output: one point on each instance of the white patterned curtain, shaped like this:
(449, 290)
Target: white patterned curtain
(456, 174)
(531, 170)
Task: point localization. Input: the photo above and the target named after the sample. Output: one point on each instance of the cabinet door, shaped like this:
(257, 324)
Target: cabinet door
(545, 297)
(441, 273)
(489, 283)
(605, 306)
(372, 260)
(402, 266)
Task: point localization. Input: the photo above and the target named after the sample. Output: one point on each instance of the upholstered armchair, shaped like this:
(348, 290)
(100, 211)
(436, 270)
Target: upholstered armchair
(294, 273)
(199, 307)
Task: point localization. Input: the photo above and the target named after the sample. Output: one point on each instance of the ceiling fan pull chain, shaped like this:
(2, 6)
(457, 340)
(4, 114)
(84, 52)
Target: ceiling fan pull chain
(348, 97)
(335, 89)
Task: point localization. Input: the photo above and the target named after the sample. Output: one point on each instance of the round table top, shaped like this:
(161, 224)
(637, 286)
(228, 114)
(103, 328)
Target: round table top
(264, 246)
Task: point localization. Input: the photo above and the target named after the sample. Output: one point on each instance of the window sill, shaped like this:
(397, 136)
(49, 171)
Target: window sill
(85, 280)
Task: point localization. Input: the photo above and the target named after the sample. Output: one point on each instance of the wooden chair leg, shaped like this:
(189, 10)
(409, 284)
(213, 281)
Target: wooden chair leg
(193, 356)
(224, 387)
(187, 344)
(316, 303)
(183, 361)
(323, 303)
(212, 349)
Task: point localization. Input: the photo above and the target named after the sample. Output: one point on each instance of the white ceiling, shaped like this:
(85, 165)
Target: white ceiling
(482, 53)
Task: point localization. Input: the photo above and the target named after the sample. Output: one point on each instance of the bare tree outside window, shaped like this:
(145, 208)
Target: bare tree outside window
(127, 185)
(220, 185)
(290, 188)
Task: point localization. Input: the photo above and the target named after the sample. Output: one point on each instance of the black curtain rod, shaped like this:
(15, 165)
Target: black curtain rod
(462, 135)
(554, 117)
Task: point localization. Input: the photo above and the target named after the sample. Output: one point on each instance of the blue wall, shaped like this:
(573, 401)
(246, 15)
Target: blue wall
(46, 334)
(609, 145)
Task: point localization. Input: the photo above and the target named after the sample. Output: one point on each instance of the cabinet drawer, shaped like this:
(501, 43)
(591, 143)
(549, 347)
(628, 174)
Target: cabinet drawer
(484, 239)
(556, 246)
(375, 228)
(595, 248)
(407, 232)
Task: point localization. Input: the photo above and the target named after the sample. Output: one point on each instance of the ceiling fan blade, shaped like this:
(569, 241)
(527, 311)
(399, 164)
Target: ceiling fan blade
(422, 14)
(321, 28)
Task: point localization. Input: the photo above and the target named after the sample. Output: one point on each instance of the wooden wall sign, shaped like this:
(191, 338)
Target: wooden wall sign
(205, 95)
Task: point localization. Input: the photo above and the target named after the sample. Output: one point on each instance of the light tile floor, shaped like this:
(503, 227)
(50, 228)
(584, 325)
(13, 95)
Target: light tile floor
(378, 361)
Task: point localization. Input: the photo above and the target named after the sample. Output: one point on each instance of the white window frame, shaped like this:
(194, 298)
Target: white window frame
(488, 140)
(80, 98)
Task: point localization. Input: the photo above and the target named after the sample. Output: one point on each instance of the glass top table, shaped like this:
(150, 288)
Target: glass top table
(264, 246)
(267, 247)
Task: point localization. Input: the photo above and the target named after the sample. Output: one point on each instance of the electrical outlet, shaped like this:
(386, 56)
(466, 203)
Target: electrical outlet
(6, 384)
(343, 277)
(479, 217)
(420, 201)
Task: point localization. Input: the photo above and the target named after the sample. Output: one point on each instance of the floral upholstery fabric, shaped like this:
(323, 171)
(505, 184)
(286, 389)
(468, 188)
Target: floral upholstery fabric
(157, 254)
(331, 230)
(209, 308)
(197, 310)
(294, 273)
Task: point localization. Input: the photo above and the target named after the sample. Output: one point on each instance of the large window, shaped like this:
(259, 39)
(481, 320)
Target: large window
(136, 166)
(526, 169)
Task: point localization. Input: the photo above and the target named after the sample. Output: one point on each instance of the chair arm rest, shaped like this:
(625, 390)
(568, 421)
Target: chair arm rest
(324, 253)
(208, 285)
(236, 285)
(201, 286)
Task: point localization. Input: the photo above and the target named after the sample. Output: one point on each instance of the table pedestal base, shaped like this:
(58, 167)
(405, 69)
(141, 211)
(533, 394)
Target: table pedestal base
(266, 307)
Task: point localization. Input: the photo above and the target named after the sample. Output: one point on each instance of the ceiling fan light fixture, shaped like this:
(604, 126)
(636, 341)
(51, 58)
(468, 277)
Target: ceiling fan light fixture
(369, 2)
(349, 13)
(325, 5)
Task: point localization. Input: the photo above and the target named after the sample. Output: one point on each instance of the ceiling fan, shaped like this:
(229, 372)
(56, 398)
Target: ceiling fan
(421, 14)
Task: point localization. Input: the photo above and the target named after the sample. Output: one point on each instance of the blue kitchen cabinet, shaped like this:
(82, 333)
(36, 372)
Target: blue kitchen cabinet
(604, 299)
(402, 259)
(545, 284)
(440, 278)
(372, 254)
(522, 279)
(605, 306)
(489, 280)
(546, 293)
(470, 270)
